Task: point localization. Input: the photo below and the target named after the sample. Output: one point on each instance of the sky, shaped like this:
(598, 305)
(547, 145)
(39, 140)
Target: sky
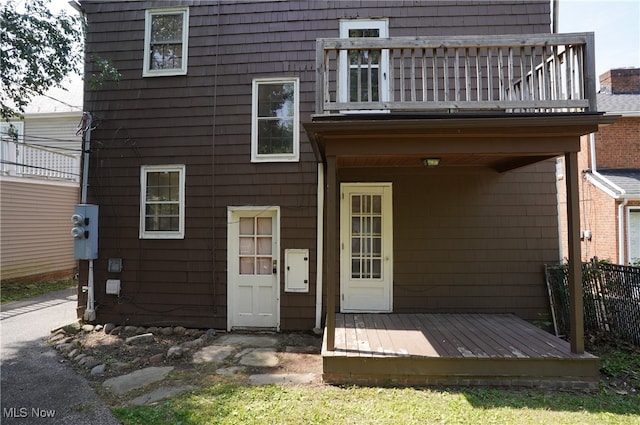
(616, 24)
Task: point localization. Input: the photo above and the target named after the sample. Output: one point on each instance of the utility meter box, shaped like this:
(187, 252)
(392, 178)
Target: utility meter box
(296, 277)
(85, 232)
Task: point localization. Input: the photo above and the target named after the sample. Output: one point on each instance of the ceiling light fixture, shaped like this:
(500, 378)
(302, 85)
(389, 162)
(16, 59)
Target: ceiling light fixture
(431, 162)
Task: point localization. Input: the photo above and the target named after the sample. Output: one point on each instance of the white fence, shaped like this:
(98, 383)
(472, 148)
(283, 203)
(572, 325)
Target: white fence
(19, 159)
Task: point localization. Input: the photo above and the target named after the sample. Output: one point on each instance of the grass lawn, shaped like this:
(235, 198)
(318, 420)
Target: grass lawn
(228, 402)
(20, 291)
(240, 404)
(225, 401)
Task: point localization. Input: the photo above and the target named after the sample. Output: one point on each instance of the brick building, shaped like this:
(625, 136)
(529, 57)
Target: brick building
(610, 184)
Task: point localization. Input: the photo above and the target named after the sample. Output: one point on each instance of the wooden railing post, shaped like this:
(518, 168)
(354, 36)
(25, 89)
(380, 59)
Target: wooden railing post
(589, 69)
(321, 71)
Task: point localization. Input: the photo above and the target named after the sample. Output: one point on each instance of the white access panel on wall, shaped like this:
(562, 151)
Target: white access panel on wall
(296, 276)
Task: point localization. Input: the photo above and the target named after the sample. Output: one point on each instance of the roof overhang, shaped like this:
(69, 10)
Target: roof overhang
(500, 141)
(625, 189)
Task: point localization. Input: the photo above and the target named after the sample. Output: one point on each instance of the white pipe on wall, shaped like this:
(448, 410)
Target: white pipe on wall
(621, 238)
(319, 247)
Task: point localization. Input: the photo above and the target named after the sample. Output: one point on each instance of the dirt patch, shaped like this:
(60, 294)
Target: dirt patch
(98, 355)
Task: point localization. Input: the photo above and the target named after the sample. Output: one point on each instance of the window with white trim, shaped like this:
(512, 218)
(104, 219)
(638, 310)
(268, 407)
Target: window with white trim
(275, 133)
(162, 202)
(166, 38)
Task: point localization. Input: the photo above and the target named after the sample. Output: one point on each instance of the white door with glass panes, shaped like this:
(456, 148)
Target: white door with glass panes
(366, 247)
(253, 267)
(364, 74)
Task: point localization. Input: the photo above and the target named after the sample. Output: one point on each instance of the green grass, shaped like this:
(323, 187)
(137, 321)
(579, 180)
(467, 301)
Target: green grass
(235, 404)
(20, 291)
(623, 363)
(230, 403)
(620, 361)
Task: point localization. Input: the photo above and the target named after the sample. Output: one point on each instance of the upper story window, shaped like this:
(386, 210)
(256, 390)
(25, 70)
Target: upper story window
(162, 202)
(165, 42)
(275, 134)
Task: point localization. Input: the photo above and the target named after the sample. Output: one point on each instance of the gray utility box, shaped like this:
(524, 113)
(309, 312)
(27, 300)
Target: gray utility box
(85, 232)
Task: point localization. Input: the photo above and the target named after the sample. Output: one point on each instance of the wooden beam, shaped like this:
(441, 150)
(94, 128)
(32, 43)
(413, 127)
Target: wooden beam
(506, 147)
(589, 70)
(322, 85)
(463, 41)
(331, 225)
(495, 105)
(576, 309)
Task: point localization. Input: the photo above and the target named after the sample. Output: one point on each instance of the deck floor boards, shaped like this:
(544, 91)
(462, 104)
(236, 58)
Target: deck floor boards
(492, 349)
(444, 335)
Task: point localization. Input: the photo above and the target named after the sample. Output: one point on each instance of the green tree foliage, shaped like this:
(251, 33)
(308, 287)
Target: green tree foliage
(107, 72)
(38, 50)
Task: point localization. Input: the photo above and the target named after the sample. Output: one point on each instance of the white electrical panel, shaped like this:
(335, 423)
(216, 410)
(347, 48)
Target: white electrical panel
(296, 276)
(113, 287)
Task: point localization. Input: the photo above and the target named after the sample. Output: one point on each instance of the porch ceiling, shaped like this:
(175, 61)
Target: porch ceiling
(499, 162)
(502, 142)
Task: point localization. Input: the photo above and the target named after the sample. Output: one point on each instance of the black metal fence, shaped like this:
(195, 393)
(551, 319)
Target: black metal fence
(611, 295)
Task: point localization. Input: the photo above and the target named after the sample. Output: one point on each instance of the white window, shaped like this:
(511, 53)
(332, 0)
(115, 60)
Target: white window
(634, 236)
(365, 77)
(162, 202)
(166, 38)
(275, 134)
(11, 147)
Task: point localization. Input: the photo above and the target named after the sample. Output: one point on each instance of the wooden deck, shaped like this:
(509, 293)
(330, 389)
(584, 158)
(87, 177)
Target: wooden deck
(453, 349)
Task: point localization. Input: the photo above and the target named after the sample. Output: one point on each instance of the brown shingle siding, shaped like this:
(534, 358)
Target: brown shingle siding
(165, 120)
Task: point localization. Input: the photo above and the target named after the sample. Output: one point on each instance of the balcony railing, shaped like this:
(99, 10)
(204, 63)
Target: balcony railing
(519, 73)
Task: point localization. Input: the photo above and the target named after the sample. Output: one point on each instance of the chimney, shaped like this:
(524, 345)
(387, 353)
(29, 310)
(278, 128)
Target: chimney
(620, 81)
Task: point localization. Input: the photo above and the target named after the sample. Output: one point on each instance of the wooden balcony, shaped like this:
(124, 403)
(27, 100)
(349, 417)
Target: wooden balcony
(538, 73)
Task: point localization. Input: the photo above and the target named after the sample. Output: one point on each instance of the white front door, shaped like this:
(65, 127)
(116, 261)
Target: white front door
(253, 267)
(366, 245)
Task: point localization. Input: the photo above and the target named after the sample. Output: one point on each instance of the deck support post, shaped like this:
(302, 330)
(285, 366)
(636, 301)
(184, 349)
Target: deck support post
(330, 263)
(576, 308)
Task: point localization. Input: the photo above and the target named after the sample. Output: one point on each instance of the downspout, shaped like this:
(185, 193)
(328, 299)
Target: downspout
(621, 238)
(554, 16)
(319, 248)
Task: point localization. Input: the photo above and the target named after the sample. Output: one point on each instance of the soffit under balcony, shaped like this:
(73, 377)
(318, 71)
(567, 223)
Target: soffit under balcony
(501, 141)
